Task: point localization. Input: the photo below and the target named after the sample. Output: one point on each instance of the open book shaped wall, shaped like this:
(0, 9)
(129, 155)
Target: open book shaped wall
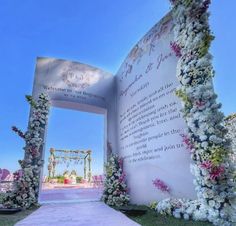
(143, 118)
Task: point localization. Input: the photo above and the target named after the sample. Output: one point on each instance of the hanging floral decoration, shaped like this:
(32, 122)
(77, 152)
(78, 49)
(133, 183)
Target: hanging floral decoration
(26, 181)
(206, 135)
(160, 185)
(115, 191)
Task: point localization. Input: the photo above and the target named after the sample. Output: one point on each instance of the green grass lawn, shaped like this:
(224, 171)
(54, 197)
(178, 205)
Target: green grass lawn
(11, 219)
(151, 218)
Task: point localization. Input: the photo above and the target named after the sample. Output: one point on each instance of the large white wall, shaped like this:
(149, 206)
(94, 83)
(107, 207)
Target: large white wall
(149, 120)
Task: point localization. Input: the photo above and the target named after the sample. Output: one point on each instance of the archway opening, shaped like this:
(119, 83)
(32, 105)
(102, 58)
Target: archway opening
(74, 154)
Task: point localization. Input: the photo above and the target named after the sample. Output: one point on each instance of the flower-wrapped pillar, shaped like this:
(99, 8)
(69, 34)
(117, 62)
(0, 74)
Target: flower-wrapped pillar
(25, 193)
(210, 150)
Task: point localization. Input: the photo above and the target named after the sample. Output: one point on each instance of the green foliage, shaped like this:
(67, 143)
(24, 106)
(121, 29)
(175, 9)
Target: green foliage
(187, 2)
(183, 96)
(60, 179)
(2, 196)
(205, 45)
(79, 179)
(12, 219)
(153, 205)
(31, 100)
(218, 154)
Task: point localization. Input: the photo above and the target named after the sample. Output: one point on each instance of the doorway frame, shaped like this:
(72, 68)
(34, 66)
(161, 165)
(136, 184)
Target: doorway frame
(77, 107)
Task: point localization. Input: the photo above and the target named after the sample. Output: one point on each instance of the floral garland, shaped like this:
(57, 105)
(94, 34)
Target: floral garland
(26, 181)
(115, 189)
(205, 137)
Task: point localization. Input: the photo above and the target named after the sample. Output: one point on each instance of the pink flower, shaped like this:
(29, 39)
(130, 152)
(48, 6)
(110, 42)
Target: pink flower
(127, 190)
(187, 142)
(206, 4)
(159, 184)
(17, 175)
(206, 164)
(122, 177)
(176, 48)
(200, 103)
(201, 10)
(120, 162)
(172, 2)
(216, 172)
(34, 152)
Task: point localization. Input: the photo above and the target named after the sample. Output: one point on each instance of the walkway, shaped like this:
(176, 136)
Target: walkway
(70, 195)
(76, 214)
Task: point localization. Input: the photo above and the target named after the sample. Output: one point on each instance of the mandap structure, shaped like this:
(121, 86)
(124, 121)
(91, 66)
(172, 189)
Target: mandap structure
(161, 117)
(67, 156)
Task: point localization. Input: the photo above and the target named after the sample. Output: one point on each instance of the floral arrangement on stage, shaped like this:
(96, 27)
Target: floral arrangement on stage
(206, 136)
(26, 181)
(115, 189)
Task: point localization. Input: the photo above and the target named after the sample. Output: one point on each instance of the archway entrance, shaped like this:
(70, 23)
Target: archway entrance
(74, 86)
(73, 156)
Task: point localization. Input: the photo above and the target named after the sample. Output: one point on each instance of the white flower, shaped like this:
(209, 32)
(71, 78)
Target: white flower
(186, 216)
(212, 203)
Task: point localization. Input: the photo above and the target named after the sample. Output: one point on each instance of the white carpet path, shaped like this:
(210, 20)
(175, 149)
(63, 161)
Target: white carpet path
(76, 214)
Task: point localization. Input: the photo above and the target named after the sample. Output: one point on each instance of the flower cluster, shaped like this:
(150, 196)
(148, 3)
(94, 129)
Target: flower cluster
(206, 135)
(230, 123)
(159, 184)
(183, 208)
(26, 181)
(17, 175)
(115, 189)
(153, 205)
(176, 48)
(187, 142)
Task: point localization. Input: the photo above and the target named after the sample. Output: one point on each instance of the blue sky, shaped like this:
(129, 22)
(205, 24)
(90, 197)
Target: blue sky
(99, 33)
(67, 129)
